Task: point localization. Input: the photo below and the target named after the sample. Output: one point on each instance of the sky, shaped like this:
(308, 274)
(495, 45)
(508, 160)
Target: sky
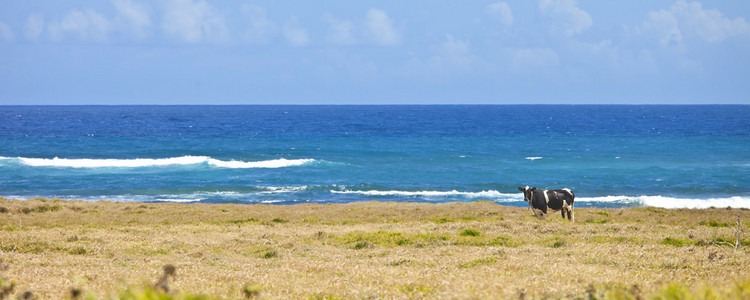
(374, 52)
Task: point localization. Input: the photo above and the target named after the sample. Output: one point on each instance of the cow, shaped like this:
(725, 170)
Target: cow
(539, 200)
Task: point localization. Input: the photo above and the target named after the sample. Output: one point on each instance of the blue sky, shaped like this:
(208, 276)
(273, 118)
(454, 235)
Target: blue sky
(374, 52)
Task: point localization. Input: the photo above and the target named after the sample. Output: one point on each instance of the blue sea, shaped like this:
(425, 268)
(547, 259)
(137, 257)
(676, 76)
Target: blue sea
(609, 155)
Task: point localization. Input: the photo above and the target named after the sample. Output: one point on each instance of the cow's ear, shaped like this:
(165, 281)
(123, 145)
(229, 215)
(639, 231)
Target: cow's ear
(520, 189)
(533, 189)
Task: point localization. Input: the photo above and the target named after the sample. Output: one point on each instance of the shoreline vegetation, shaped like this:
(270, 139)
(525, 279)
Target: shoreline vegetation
(58, 249)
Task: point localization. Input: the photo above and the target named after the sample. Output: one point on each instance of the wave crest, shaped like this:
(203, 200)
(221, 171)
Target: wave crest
(454, 193)
(158, 162)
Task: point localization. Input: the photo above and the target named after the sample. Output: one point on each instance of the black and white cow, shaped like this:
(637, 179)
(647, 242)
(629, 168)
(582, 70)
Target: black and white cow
(539, 200)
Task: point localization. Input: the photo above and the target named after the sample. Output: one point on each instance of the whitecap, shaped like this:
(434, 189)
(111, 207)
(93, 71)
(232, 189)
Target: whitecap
(276, 163)
(491, 194)
(672, 202)
(123, 163)
(159, 162)
(534, 157)
(177, 200)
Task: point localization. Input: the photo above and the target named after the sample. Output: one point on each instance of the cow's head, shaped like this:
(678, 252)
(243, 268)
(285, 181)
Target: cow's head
(527, 193)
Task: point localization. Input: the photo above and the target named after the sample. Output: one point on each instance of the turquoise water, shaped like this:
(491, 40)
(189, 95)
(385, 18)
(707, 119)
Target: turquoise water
(611, 156)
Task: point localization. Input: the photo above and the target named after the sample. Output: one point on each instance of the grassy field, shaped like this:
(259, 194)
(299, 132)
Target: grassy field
(479, 250)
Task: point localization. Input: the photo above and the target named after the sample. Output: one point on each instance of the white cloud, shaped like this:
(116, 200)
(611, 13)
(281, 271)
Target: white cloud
(684, 19)
(85, 24)
(501, 12)
(294, 33)
(137, 15)
(380, 28)
(260, 28)
(663, 26)
(5, 33)
(711, 25)
(568, 17)
(339, 31)
(34, 27)
(193, 21)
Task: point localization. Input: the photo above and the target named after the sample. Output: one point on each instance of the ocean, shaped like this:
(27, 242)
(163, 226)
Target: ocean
(610, 155)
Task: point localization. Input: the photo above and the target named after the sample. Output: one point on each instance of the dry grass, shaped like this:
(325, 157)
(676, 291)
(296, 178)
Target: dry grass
(370, 250)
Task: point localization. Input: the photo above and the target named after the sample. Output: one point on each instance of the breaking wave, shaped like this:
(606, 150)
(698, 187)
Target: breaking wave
(671, 202)
(157, 162)
(454, 193)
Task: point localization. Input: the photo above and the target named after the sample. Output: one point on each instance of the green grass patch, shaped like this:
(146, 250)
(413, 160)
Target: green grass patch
(442, 220)
(470, 237)
(614, 239)
(10, 228)
(478, 262)
(279, 220)
(269, 254)
(40, 209)
(674, 266)
(150, 293)
(363, 245)
(399, 262)
(656, 210)
(497, 241)
(558, 243)
(714, 224)
(78, 251)
(602, 213)
(602, 221)
(244, 221)
(470, 232)
(676, 242)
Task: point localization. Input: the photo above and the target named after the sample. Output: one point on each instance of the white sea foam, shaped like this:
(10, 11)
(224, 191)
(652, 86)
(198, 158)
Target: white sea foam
(672, 202)
(178, 200)
(534, 157)
(271, 201)
(158, 162)
(496, 196)
(283, 189)
(276, 163)
(483, 194)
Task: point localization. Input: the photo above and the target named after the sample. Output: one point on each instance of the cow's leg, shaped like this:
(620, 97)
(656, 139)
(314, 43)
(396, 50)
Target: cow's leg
(538, 213)
(562, 211)
(571, 217)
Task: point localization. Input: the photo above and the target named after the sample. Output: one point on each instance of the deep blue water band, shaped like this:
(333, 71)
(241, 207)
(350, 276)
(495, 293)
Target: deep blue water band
(671, 156)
